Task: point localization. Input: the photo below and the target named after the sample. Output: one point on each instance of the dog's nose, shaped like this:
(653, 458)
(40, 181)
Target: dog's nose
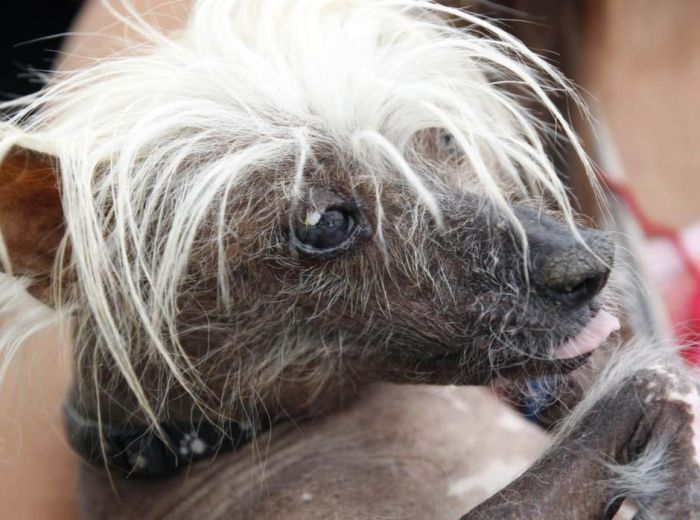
(573, 274)
(561, 267)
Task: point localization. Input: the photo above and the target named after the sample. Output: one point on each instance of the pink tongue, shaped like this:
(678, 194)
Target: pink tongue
(591, 336)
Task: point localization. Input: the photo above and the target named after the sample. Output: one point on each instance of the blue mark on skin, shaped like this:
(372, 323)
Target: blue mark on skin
(543, 392)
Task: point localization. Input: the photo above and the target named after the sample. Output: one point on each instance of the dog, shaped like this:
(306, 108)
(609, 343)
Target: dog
(253, 222)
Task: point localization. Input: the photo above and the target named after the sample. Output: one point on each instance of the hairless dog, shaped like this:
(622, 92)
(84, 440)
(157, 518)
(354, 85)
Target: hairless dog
(257, 222)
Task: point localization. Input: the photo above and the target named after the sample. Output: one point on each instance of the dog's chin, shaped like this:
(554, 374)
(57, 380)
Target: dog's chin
(451, 370)
(567, 355)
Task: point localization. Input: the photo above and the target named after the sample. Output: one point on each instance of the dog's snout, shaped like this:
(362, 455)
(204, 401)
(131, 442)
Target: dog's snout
(562, 266)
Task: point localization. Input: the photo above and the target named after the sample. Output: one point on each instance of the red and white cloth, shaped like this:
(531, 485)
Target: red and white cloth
(672, 259)
(674, 265)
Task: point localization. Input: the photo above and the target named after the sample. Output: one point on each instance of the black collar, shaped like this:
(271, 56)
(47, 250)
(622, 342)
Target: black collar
(138, 451)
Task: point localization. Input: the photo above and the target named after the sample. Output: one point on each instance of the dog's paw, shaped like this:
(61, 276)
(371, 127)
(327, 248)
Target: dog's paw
(663, 473)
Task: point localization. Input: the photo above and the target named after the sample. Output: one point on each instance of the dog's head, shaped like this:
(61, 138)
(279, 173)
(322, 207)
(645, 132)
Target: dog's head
(296, 196)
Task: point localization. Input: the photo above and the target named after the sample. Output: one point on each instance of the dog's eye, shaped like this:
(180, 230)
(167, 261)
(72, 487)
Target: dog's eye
(326, 224)
(324, 230)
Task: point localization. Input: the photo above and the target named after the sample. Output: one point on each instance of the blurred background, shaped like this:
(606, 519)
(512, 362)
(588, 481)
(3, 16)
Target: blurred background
(636, 61)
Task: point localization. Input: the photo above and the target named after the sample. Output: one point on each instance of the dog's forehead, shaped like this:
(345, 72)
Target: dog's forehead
(433, 156)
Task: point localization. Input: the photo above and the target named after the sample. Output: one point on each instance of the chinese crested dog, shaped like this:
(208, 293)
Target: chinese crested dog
(253, 220)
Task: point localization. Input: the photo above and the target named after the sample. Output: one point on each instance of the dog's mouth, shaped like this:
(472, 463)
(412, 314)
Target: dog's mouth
(589, 338)
(571, 353)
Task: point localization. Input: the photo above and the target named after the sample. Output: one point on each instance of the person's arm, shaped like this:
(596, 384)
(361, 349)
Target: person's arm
(96, 33)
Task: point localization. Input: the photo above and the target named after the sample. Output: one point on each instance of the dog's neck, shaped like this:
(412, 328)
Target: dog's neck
(145, 450)
(108, 427)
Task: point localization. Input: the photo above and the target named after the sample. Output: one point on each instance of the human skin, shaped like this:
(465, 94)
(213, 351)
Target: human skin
(96, 33)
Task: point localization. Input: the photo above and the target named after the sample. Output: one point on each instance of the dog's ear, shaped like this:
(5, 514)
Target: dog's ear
(31, 216)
